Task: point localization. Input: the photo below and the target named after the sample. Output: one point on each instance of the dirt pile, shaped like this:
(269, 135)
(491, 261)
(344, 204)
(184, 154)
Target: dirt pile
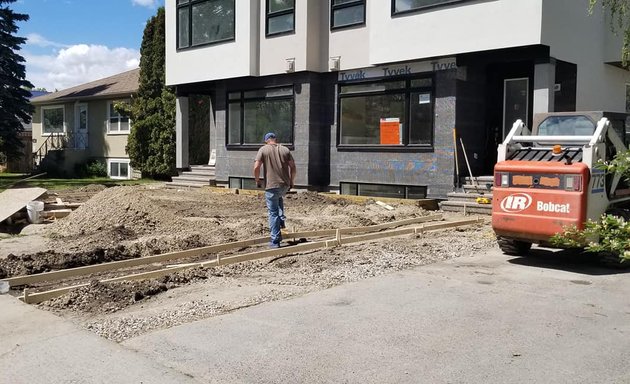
(151, 220)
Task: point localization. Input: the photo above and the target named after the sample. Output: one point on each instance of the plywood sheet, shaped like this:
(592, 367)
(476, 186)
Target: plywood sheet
(12, 200)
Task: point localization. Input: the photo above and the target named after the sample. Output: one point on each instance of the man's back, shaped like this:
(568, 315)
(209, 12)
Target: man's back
(275, 159)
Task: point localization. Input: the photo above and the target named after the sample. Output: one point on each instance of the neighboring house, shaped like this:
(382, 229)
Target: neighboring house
(80, 124)
(367, 93)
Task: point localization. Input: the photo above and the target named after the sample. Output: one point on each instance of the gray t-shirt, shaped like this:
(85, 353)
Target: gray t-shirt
(275, 159)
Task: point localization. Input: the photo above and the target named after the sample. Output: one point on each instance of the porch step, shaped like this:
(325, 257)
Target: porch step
(478, 188)
(198, 176)
(488, 179)
(201, 170)
(467, 197)
(467, 207)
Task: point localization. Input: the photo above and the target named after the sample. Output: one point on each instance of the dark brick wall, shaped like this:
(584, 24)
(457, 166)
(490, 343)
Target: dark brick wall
(433, 169)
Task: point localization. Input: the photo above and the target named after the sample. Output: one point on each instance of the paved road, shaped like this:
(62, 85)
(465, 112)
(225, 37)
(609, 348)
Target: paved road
(486, 319)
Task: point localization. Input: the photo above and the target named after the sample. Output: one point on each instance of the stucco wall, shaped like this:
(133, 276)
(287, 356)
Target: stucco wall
(577, 37)
(218, 61)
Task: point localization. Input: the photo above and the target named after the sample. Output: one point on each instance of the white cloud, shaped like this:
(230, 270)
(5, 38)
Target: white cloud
(145, 3)
(41, 41)
(78, 64)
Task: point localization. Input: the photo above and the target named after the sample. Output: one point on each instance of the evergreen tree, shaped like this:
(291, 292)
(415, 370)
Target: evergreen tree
(620, 21)
(15, 108)
(151, 143)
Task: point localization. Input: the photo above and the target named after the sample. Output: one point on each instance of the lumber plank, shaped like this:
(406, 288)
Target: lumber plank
(89, 269)
(36, 298)
(78, 271)
(12, 200)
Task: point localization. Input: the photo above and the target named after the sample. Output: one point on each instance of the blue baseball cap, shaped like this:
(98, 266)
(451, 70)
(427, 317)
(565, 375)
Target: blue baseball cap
(269, 135)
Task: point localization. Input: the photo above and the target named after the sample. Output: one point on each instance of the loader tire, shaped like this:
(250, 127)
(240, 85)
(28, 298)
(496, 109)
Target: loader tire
(514, 247)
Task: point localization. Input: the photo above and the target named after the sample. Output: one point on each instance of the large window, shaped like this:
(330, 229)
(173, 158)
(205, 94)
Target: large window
(280, 17)
(402, 6)
(53, 119)
(345, 13)
(390, 113)
(201, 22)
(117, 122)
(251, 114)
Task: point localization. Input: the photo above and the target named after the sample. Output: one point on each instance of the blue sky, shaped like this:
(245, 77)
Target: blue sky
(71, 42)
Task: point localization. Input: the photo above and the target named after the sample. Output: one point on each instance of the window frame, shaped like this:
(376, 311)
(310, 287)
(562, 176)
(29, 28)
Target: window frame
(189, 5)
(407, 91)
(271, 15)
(119, 161)
(241, 101)
(109, 121)
(351, 4)
(48, 107)
(424, 7)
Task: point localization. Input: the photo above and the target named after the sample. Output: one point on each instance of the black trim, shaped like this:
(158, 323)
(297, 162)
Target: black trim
(241, 101)
(407, 91)
(270, 15)
(190, 45)
(439, 3)
(334, 7)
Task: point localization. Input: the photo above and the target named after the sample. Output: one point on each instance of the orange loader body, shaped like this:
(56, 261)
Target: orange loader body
(535, 203)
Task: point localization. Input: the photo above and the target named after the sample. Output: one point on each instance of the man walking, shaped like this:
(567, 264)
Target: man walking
(279, 174)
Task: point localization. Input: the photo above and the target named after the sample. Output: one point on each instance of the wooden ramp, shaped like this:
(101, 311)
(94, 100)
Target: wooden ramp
(12, 200)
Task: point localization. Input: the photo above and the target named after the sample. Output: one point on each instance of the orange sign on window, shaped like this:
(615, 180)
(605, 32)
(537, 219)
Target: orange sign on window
(390, 131)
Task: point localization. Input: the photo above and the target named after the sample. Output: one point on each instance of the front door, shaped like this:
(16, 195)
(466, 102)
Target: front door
(81, 127)
(515, 102)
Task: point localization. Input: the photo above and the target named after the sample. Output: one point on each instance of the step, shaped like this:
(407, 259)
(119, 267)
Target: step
(462, 206)
(479, 188)
(469, 197)
(480, 179)
(202, 167)
(195, 178)
(209, 172)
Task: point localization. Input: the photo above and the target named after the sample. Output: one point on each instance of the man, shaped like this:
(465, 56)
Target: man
(279, 174)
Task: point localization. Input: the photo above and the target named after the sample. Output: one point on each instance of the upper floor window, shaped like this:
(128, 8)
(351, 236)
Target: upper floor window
(402, 6)
(117, 122)
(251, 114)
(201, 22)
(387, 113)
(280, 16)
(345, 13)
(53, 120)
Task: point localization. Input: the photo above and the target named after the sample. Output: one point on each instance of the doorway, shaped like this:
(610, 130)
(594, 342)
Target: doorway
(81, 126)
(515, 102)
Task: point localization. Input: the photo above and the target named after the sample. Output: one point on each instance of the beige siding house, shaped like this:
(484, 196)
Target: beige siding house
(80, 124)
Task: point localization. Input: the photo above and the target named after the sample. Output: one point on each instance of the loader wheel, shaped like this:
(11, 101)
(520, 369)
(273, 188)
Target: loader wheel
(513, 247)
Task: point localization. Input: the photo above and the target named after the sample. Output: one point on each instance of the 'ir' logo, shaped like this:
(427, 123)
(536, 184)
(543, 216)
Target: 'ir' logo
(516, 202)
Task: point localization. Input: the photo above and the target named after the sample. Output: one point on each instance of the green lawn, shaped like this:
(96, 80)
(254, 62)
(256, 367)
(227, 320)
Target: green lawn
(8, 179)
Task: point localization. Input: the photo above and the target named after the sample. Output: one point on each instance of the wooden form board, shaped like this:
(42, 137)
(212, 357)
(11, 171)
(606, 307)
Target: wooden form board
(97, 268)
(12, 200)
(40, 297)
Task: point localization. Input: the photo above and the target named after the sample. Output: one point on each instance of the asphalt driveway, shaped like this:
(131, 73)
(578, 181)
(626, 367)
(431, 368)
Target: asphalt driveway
(549, 318)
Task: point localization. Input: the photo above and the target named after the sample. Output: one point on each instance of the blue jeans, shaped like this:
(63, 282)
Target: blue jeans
(275, 207)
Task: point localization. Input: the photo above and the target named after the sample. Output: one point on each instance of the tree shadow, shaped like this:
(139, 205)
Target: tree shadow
(569, 260)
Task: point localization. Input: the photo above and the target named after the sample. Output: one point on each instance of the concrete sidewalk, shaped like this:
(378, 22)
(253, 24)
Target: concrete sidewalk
(472, 320)
(38, 347)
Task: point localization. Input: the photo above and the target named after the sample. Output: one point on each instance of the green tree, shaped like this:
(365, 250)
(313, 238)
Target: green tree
(15, 108)
(620, 21)
(151, 143)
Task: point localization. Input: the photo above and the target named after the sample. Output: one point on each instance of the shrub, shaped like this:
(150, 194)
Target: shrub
(91, 168)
